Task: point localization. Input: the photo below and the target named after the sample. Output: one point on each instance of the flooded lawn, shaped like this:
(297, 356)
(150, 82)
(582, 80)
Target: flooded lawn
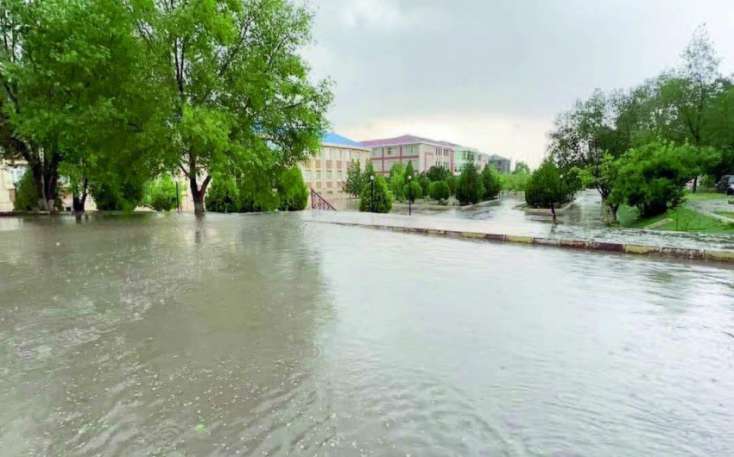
(272, 335)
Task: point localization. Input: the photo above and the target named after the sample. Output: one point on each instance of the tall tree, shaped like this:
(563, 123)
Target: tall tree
(240, 92)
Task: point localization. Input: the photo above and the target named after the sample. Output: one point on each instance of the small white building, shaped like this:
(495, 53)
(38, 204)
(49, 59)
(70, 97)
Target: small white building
(10, 174)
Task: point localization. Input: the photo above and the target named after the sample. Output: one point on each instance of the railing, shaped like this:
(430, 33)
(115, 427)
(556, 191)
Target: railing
(319, 202)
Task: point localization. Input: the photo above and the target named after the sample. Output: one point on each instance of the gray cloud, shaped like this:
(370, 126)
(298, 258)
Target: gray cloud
(494, 74)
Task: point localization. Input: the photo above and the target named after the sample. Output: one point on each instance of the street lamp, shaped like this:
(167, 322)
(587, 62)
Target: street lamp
(372, 194)
(410, 196)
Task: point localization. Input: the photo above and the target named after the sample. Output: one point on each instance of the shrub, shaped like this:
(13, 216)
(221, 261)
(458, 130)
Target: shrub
(26, 194)
(118, 193)
(223, 195)
(452, 181)
(425, 184)
(378, 202)
(547, 188)
(292, 190)
(439, 191)
(436, 173)
(413, 191)
(652, 178)
(397, 180)
(491, 182)
(469, 188)
(516, 182)
(160, 194)
(355, 179)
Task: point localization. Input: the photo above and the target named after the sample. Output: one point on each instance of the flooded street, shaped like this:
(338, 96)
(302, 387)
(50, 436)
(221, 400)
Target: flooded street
(273, 335)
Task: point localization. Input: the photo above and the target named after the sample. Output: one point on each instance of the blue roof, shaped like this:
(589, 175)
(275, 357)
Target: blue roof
(338, 140)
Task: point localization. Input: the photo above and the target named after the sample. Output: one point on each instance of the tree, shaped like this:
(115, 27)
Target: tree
(469, 188)
(549, 188)
(26, 195)
(452, 182)
(355, 179)
(439, 191)
(424, 182)
(396, 181)
(292, 190)
(521, 168)
(413, 191)
(238, 89)
(73, 89)
(583, 136)
(653, 177)
(162, 194)
(436, 173)
(376, 197)
(409, 171)
(490, 182)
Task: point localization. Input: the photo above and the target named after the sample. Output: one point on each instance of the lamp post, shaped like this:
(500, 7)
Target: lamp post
(410, 196)
(372, 194)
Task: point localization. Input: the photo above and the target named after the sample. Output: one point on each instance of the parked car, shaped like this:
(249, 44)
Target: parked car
(726, 185)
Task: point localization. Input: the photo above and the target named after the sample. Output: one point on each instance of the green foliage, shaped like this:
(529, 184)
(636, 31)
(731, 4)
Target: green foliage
(439, 191)
(376, 197)
(282, 190)
(491, 182)
(548, 188)
(409, 171)
(452, 181)
(521, 168)
(355, 179)
(26, 194)
(436, 173)
(223, 195)
(160, 194)
(118, 193)
(413, 191)
(469, 189)
(652, 178)
(396, 181)
(425, 183)
(292, 190)
(515, 182)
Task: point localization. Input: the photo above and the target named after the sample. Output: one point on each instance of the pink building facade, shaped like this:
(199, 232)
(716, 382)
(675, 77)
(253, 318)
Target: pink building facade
(423, 153)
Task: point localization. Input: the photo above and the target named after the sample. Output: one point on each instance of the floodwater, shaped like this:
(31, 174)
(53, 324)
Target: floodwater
(272, 335)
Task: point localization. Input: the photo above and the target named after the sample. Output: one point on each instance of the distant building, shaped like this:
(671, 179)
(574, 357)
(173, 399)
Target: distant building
(501, 164)
(423, 153)
(465, 155)
(326, 171)
(10, 174)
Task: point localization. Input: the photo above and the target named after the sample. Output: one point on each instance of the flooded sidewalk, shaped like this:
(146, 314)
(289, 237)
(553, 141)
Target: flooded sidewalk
(506, 224)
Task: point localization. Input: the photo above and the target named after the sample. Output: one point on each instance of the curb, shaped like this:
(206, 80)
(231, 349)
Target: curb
(709, 255)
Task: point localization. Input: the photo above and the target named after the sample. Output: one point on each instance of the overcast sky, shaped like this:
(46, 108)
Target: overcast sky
(494, 73)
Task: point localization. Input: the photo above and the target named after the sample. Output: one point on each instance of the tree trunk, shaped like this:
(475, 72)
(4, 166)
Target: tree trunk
(609, 212)
(198, 193)
(80, 199)
(695, 184)
(553, 212)
(46, 177)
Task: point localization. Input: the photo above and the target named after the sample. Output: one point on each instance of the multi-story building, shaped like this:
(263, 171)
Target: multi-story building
(466, 155)
(326, 171)
(501, 164)
(10, 174)
(423, 153)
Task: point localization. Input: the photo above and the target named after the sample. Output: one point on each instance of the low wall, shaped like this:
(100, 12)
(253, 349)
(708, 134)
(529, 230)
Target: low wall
(712, 255)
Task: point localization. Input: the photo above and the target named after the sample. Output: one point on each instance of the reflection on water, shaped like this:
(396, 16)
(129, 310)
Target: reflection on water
(268, 335)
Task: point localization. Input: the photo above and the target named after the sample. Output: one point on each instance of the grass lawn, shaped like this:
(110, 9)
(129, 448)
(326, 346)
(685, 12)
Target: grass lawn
(701, 196)
(681, 219)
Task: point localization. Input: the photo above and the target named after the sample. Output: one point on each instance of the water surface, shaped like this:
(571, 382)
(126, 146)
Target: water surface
(271, 335)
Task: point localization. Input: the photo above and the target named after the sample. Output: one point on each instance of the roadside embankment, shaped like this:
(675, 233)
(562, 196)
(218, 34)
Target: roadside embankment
(702, 254)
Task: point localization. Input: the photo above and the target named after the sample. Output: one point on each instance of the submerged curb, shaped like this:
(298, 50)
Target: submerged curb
(710, 255)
